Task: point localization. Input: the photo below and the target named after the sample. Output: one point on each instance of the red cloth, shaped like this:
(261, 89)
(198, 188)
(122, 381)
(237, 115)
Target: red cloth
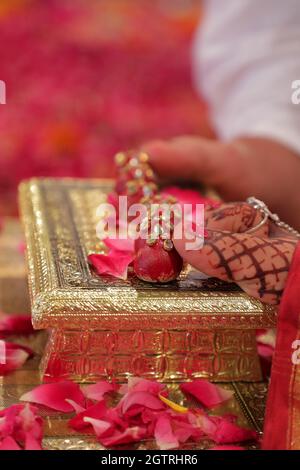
(282, 426)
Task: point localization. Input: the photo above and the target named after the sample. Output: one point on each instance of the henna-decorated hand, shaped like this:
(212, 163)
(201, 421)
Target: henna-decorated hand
(258, 263)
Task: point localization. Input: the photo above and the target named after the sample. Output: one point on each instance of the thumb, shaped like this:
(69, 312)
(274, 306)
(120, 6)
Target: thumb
(193, 158)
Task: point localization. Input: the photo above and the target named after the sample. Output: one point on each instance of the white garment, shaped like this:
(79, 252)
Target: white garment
(246, 57)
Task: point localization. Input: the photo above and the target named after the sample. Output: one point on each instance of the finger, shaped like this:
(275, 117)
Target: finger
(258, 265)
(236, 217)
(192, 158)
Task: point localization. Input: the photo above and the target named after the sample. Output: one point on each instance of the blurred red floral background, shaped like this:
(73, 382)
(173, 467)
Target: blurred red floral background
(86, 78)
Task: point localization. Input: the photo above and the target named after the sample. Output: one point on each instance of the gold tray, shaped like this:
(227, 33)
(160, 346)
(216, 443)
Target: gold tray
(104, 327)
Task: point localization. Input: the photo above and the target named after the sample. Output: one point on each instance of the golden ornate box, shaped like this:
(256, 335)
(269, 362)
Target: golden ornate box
(102, 327)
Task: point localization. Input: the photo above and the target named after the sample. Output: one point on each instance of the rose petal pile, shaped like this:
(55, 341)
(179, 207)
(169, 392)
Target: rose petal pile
(116, 261)
(143, 411)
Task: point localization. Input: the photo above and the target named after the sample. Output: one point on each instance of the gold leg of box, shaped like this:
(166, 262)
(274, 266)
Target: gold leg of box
(165, 355)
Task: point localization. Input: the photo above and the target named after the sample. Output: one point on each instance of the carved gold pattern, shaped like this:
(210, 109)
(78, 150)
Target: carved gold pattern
(102, 326)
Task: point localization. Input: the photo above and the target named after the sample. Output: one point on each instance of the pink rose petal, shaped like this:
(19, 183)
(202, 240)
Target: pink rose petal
(7, 421)
(77, 408)
(115, 263)
(118, 244)
(6, 427)
(206, 393)
(9, 444)
(203, 423)
(98, 390)
(29, 422)
(21, 423)
(14, 409)
(134, 434)
(16, 346)
(228, 432)
(183, 434)
(16, 325)
(101, 428)
(31, 443)
(113, 416)
(142, 399)
(189, 196)
(97, 411)
(137, 384)
(54, 395)
(164, 435)
(185, 430)
(13, 356)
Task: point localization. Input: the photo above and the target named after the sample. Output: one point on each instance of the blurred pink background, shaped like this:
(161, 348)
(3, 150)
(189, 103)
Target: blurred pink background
(86, 78)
